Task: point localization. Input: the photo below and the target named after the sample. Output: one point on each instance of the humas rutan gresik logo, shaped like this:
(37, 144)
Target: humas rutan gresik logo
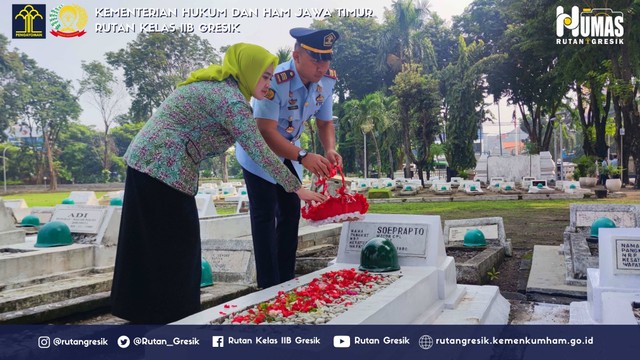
(592, 26)
(28, 21)
(68, 21)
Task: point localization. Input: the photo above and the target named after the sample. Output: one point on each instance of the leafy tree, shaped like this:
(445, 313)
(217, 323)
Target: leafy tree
(530, 75)
(100, 85)
(418, 105)
(370, 116)
(54, 107)
(354, 56)
(154, 63)
(464, 90)
(283, 54)
(80, 157)
(10, 72)
(398, 43)
(123, 135)
(42, 102)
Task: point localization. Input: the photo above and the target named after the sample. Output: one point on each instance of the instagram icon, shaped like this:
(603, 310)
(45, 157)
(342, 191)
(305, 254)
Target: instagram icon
(44, 342)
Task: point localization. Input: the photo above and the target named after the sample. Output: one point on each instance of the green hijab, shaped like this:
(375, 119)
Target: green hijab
(245, 62)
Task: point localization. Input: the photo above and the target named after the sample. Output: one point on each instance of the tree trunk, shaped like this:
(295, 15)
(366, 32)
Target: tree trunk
(225, 167)
(105, 162)
(54, 181)
(391, 164)
(378, 158)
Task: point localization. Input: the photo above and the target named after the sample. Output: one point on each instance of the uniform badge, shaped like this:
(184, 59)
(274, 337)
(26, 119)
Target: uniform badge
(331, 73)
(294, 107)
(319, 99)
(270, 94)
(290, 128)
(318, 88)
(293, 101)
(284, 76)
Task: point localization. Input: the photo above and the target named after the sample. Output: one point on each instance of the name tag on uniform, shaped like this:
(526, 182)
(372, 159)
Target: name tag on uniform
(295, 107)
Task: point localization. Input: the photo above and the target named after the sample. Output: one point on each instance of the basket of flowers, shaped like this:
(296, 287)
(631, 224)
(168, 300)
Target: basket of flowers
(342, 207)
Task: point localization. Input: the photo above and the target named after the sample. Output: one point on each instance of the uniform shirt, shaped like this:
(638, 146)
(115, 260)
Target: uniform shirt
(293, 102)
(197, 121)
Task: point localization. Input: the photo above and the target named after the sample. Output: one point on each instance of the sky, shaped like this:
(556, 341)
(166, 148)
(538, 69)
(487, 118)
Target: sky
(64, 55)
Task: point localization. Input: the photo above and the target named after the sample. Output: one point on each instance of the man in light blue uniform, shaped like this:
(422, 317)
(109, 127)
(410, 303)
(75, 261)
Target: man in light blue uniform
(300, 89)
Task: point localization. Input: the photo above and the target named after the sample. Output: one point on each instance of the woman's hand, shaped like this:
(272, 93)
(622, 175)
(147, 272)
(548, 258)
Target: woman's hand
(310, 196)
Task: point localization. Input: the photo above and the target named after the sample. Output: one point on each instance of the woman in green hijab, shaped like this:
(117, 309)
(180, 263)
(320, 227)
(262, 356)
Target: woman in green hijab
(158, 263)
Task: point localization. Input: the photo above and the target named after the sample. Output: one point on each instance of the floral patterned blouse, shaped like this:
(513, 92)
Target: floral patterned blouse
(197, 121)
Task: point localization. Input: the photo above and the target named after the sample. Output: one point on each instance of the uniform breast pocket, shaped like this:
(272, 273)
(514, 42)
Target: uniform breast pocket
(193, 151)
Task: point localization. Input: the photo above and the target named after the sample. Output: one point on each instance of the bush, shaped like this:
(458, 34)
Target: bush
(585, 167)
(379, 194)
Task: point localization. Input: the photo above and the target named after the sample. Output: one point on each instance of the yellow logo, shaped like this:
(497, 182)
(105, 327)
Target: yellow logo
(328, 40)
(68, 20)
(29, 19)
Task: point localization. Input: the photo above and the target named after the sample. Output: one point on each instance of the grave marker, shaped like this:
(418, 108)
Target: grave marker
(205, 205)
(417, 238)
(83, 197)
(8, 232)
(231, 261)
(492, 228)
(82, 219)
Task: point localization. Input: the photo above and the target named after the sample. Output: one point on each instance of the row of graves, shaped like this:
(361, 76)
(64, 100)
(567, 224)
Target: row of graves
(529, 186)
(230, 191)
(53, 259)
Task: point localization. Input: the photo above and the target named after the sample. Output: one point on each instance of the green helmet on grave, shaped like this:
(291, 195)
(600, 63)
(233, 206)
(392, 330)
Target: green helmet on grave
(68, 201)
(116, 201)
(379, 255)
(601, 223)
(206, 278)
(55, 233)
(474, 237)
(30, 220)
(539, 186)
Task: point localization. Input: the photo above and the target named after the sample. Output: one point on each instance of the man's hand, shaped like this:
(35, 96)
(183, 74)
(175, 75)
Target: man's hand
(317, 164)
(334, 158)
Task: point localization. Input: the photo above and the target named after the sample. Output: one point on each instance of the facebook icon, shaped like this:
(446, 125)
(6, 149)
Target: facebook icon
(217, 341)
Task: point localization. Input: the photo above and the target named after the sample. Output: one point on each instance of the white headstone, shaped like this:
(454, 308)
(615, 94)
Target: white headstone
(15, 204)
(8, 232)
(82, 219)
(84, 197)
(417, 238)
(619, 253)
(205, 205)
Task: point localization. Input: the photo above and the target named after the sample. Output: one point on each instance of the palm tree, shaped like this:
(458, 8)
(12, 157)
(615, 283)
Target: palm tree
(283, 54)
(398, 44)
(369, 115)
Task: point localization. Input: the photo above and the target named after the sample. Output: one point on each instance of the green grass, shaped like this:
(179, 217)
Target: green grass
(465, 207)
(451, 209)
(45, 199)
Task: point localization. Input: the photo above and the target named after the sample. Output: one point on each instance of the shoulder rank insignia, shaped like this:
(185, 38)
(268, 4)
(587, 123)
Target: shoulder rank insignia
(270, 94)
(284, 76)
(331, 73)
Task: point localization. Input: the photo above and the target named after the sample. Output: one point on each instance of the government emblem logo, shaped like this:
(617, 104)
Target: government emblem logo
(68, 20)
(28, 21)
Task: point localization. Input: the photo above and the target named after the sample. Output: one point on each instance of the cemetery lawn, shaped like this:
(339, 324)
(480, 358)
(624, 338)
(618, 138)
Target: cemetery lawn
(527, 223)
(46, 198)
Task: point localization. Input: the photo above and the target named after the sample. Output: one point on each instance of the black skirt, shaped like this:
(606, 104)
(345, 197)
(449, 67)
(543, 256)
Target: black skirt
(156, 278)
